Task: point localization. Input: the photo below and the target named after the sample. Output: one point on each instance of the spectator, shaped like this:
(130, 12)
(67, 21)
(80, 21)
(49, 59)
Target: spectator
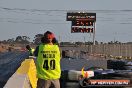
(48, 62)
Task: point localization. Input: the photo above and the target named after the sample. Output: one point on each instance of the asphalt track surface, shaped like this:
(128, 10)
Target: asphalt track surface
(9, 62)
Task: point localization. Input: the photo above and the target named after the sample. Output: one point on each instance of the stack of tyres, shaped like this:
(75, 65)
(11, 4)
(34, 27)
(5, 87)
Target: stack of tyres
(124, 73)
(128, 65)
(116, 64)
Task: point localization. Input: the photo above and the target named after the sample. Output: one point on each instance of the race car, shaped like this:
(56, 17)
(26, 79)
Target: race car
(96, 77)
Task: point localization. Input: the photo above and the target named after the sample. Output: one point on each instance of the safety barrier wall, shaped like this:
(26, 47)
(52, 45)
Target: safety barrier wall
(24, 77)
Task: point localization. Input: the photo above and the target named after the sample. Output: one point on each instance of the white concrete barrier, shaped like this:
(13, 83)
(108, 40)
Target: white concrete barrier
(24, 77)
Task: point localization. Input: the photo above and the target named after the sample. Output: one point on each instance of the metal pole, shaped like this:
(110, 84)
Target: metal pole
(94, 33)
(59, 40)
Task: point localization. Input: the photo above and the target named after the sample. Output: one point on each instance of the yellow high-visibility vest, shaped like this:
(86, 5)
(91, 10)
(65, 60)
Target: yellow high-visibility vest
(48, 62)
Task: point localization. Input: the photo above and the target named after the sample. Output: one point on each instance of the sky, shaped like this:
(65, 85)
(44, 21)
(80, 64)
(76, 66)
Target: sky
(31, 17)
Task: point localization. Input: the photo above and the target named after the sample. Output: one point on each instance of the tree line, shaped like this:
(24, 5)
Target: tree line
(37, 40)
(23, 40)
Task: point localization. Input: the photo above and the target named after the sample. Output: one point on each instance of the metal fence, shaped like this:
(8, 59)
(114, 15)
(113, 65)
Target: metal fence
(124, 50)
(114, 50)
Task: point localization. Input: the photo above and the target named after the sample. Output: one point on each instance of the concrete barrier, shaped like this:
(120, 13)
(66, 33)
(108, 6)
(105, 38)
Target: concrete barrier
(24, 77)
(18, 81)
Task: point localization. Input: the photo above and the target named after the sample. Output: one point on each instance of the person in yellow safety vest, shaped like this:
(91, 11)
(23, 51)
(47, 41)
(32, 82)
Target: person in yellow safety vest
(31, 50)
(48, 62)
